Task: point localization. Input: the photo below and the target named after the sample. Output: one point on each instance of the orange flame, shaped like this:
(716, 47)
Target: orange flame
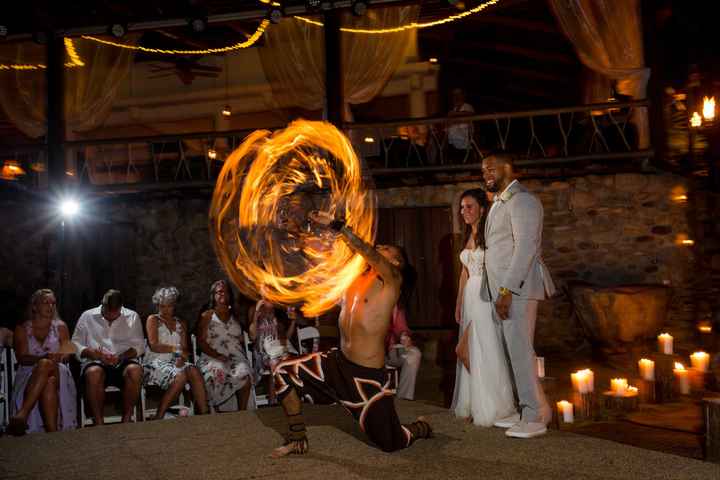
(708, 108)
(258, 215)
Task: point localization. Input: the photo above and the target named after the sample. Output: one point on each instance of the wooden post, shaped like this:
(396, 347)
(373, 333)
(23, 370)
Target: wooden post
(711, 409)
(55, 109)
(334, 95)
(620, 406)
(664, 377)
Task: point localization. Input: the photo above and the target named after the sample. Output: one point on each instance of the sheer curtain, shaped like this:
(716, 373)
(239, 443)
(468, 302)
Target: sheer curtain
(89, 89)
(607, 36)
(293, 57)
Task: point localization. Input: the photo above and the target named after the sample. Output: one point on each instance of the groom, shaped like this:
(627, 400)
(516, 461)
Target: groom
(517, 279)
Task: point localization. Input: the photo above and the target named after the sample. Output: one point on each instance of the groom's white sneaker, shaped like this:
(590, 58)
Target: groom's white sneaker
(526, 430)
(508, 422)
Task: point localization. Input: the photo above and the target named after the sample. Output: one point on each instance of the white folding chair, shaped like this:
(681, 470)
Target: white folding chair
(307, 333)
(260, 400)
(85, 421)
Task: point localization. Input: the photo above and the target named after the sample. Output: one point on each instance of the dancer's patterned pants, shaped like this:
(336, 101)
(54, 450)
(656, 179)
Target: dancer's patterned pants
(367, 393)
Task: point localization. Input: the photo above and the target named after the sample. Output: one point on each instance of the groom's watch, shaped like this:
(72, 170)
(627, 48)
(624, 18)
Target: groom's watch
(504, 291)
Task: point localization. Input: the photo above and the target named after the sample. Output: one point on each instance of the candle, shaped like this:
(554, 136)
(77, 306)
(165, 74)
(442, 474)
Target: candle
(631, 391)
(565, 409)
(665, 343)
(647, 369)
(705, 329)
(579, 381)
(590, 376)
(682, 378)
(619, 386)
(541, 367)
(700, 361)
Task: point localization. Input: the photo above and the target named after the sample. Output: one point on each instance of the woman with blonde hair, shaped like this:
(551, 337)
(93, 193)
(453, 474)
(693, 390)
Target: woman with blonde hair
(44, 394)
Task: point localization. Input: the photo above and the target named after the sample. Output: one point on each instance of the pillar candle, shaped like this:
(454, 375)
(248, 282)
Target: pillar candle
(683, 380)
(665, 343)
(619, 386)
(647, 369)
(700, 361)
(590, 379)
(579, 381)
(541, 367)
(565, 410)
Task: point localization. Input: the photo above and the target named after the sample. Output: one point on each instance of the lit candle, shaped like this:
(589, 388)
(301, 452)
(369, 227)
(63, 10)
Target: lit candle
(705, 327)
(590, 378)
(647, 369)
(700, 361)
(631, 391)
(665, 343)
(682, 378)
(565, 409)
(579, 381)
(619, 386)
(541, 367)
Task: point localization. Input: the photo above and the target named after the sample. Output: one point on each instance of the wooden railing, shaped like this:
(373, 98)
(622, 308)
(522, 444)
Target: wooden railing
(600, 133)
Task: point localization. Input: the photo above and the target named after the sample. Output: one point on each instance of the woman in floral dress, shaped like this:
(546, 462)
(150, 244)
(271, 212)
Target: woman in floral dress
(166, 360)
(223, 361)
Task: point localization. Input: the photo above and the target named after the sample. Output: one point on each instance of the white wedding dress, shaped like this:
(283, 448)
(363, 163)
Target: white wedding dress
(485, 393)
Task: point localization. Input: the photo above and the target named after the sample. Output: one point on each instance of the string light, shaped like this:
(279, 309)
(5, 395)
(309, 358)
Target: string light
(249, 42)
(75, 60)
(411, 26)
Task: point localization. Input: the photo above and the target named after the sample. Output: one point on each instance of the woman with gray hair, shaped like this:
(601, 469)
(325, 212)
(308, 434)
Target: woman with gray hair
(166, 361)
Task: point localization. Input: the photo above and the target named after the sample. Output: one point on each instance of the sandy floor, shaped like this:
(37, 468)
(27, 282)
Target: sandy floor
(236, 445)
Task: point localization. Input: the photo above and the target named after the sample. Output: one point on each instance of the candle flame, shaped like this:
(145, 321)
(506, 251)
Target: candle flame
(695, 120)
(709, 108)
(679, 366)
(705, 328)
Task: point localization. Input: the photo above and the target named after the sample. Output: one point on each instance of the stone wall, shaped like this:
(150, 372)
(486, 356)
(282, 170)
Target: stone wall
(607, 230)
(603, 229)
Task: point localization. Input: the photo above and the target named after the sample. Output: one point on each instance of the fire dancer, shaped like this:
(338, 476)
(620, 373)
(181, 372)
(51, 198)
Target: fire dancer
(354, 376)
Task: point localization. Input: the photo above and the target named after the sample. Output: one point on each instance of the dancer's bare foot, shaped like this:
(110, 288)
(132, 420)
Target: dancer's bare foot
(297, 447)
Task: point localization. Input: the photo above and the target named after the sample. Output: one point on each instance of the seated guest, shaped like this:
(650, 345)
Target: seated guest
(6, 337)
(223, 362)
(402, 354)
(166, 362)
(109, 341)
(44, 397)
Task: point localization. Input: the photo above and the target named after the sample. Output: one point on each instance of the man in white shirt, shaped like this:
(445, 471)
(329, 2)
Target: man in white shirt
(109, 341)
(459, 134)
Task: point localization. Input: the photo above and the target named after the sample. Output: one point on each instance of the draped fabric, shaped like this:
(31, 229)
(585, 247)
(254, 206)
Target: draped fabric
(607, 36)
(293, 57)
(90, 89)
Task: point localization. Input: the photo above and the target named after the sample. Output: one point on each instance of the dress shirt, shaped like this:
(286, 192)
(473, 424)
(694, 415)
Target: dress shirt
(94, 331)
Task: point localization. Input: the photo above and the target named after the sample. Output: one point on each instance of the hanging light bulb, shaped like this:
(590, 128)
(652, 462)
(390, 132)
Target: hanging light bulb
(226, 111)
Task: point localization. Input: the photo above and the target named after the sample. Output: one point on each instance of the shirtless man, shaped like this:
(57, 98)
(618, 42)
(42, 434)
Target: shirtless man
(354, 376)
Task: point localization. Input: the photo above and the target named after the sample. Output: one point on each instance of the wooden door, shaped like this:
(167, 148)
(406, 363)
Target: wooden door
(426, 235)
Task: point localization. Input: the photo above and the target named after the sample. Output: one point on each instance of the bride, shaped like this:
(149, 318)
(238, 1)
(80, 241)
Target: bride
(483, 390)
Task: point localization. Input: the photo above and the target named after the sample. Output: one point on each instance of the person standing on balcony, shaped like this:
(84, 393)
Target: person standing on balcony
(460, 135)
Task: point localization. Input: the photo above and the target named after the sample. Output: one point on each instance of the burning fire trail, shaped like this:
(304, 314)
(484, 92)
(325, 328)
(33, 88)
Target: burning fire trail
(259, 215)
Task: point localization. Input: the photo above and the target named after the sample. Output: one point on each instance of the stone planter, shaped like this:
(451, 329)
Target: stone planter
(619, 320)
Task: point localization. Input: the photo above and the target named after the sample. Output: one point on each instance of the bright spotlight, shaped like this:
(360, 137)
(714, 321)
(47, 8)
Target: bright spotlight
(69, 208)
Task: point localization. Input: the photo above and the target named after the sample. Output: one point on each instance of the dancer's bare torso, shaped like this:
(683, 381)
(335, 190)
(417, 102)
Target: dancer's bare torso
(365, 319)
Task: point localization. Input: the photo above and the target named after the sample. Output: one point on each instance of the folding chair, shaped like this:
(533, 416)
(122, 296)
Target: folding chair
(85, 421)
(260, 400)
